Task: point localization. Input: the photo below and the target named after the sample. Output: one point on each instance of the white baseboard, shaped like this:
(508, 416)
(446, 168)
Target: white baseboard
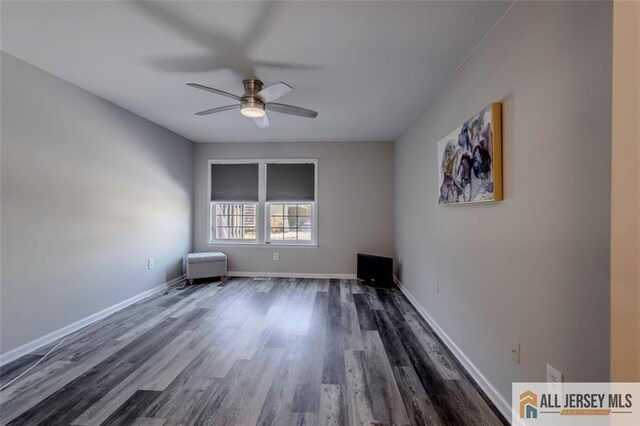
(61, 332)
(498, 400)
(292, 275)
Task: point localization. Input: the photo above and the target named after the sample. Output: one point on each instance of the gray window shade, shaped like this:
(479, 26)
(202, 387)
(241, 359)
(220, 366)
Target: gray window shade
(290, 182)
(234, 182)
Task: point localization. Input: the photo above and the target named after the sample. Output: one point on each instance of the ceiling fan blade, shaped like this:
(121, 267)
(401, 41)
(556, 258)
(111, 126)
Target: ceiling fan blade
(212, 90)
(290, 109)
(218, 109)
(274, 92)
(262, 122)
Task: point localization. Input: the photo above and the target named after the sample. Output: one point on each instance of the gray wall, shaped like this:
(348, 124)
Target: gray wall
(535, 267)
(89, 192)
(355, 205)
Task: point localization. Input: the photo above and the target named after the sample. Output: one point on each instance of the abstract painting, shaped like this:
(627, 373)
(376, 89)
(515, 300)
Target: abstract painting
(470, 160)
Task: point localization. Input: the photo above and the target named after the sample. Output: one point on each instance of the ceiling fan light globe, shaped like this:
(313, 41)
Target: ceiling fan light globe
(252, 111)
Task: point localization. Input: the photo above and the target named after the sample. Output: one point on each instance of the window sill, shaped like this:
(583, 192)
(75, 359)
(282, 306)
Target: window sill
(256, 245)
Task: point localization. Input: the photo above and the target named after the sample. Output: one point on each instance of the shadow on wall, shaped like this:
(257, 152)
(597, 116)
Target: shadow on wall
(174, 269)
(111, 191)
(180, 169)
(398, 269)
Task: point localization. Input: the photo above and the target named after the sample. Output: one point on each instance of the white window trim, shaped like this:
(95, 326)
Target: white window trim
(262, 217)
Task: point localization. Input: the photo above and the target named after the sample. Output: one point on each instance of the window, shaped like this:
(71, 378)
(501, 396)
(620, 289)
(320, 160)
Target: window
(290, 197)
(234, 202)
(263, 202)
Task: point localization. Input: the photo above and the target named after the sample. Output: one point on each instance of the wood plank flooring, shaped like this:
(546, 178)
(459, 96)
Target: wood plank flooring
(247, 352)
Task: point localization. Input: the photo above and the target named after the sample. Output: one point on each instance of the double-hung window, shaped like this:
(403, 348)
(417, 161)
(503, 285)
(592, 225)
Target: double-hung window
(263, 202)
(290, 202)
(234, 202)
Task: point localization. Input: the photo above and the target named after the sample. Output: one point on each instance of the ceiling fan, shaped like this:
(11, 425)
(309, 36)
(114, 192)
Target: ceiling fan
(256, 101)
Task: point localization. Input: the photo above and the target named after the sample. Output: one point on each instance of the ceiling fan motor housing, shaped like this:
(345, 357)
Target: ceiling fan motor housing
(250, 105)
(252, 86)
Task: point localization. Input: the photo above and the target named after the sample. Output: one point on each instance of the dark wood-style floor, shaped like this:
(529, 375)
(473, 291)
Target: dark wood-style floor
(250, 351)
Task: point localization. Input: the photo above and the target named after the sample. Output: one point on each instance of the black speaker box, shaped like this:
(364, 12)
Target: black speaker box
(375, 270)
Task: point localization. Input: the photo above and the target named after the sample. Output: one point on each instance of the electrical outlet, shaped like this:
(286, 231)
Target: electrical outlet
(437, 287)
(150, 263)
(276, 255)
(399, 258)
(515, 352)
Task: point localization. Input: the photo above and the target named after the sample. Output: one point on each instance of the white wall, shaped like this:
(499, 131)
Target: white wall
(534, 267)
(89, 192)
(355, 205)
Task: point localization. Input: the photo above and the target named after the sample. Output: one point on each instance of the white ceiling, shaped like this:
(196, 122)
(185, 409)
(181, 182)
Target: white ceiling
(368, 68)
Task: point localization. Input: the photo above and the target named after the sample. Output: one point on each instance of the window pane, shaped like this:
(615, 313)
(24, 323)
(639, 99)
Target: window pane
(304, 235)
(290, 234)
(235, 221)
(249, 234)
(249, 221)
(304, 223)
(220, 221)
(249, 210)
(222, 233)
(291, 210)
(304, 209)
(236, 233)
(276, 221)
(276, 233)
(276, 209)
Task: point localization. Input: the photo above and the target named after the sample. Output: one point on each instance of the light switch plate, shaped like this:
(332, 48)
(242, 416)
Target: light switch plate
(554, 380)
(553, 375)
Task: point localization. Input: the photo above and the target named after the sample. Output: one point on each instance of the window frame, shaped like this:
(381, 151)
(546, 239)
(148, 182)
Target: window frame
(262, 206)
